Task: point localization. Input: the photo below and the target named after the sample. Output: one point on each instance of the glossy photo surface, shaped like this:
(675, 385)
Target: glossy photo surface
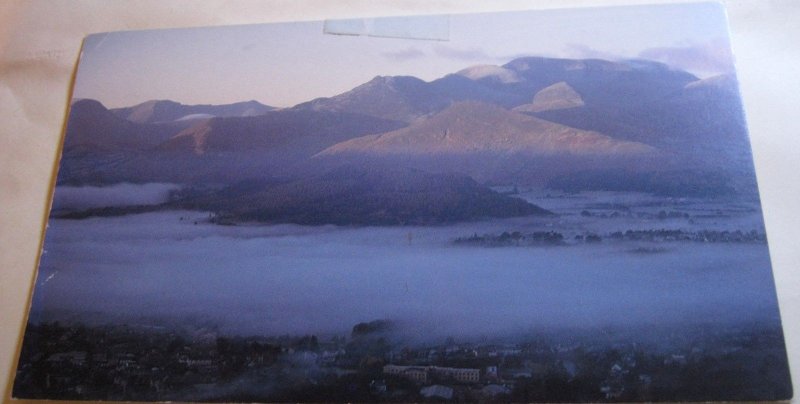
(530, 207)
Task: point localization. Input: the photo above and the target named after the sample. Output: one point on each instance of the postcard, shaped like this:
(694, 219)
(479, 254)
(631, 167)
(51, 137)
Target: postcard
(530, 206)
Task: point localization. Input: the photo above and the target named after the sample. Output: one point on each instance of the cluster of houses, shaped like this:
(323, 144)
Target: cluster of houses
(435, 379)
(146, 365)
(704, 236)
(517, 239)
(424, 374)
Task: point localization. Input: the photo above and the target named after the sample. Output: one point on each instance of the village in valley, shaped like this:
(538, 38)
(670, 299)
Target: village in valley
(143, 363)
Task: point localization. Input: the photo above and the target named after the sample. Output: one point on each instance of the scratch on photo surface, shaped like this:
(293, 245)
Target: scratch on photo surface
(49, 277)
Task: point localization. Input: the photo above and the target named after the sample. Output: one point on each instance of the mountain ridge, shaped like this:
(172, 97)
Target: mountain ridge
(532, 118)
(362, 196)
(161, 111)
(473, 127)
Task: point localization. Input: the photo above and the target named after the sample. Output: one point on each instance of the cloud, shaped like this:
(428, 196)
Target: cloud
(471, 54)
(708, 58)
(404, 55)
(579, 51)
(704, 59)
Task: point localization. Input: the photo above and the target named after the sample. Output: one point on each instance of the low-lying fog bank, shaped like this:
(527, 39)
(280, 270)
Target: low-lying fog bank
(289, 279)
(71, 198)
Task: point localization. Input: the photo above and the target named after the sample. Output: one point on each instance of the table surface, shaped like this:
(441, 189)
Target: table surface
(40, 42)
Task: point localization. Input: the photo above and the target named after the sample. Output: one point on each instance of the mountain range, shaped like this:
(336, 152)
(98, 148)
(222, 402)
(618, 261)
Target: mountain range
(530, 121)
(162, 111)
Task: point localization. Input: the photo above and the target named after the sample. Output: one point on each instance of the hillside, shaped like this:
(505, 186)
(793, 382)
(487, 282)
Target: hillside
(161, 111)
(91, 126)
(477, 128)
(528, 121)
(401, 98)
(102, 148)
(294, 132)
(351, 195)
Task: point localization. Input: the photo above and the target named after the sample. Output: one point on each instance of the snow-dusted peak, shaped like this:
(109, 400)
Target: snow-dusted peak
(722, 81)
(192, 117)
(498, 73)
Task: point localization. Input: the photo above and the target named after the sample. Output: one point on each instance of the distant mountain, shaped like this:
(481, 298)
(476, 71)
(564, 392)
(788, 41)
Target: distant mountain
(528, 121)
(725, 83)
(291, 132)
(401, 98)
(219, 150)
(477, 128)
(351, 195)
(705, 113)
(592, 81)
(492, 145)
(700, 110)
(161, 111)
(481, 87)
(701, 124)
(100, 147)
(92, 127)
(595, 82)
(406, 98)
(602, 82)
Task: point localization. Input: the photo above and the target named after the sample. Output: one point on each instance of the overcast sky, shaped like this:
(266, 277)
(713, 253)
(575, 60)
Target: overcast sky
(285, 64)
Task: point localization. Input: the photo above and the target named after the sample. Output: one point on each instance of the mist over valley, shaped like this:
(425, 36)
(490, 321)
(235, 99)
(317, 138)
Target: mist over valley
(544, 230)
(611, 178)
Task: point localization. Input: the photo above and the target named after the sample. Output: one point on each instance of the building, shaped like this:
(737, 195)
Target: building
(419, 374)
(463, 375)
(423, 374)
